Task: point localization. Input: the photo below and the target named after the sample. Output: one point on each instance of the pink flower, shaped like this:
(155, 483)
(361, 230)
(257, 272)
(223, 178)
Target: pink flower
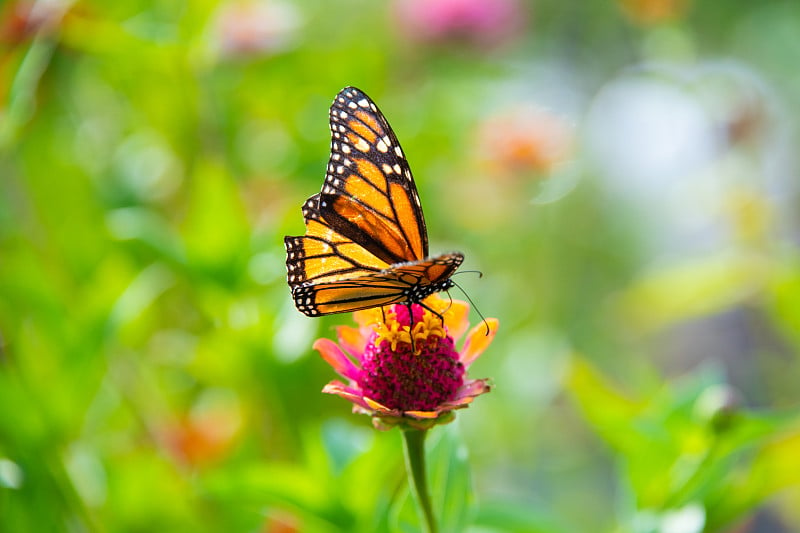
(404, 375)
(250, 28)
(480, 22)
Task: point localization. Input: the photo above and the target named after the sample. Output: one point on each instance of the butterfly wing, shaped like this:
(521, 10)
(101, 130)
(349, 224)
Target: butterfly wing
(324, 255)
(369, 195)
(366, 244)
(403, 282)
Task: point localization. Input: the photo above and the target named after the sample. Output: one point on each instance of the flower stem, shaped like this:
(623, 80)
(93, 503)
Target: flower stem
(414, 447)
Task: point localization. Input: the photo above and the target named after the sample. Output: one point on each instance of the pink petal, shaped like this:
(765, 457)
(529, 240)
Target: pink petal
(337, 359)
(470, 389)
(348, 393)
(459, 404)
(477, 341)
(351, 340)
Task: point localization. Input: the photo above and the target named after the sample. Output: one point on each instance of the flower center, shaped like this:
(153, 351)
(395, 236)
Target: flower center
(411, 368)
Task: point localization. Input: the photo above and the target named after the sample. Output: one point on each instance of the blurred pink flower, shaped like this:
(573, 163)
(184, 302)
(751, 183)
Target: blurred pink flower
(399, 381)
(479, 22)
(256, 27)
(22, 20)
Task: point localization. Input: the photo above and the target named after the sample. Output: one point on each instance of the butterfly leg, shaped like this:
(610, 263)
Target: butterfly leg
(411, 326)
(435, 312)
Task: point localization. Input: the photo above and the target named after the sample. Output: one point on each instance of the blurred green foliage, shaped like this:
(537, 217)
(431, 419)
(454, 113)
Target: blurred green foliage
(154, 375)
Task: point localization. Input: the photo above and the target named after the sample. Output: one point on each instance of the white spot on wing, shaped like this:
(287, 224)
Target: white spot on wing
(362, 145)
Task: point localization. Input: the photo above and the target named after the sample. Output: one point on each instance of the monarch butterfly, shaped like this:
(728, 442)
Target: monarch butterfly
(366, 244)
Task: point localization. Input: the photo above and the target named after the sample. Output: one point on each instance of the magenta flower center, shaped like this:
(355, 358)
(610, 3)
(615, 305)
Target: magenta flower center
(418, 377)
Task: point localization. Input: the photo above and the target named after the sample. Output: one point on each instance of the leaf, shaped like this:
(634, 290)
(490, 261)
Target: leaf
(517, 517)
(693, 288)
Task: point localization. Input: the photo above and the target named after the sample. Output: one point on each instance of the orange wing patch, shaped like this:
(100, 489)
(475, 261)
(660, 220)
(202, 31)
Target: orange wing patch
(362, 127)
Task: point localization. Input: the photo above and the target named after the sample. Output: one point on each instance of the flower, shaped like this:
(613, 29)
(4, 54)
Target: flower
(253, 28)
(650, 12)
(207, 433)
(408, 375)
(525, 138)
(478, 22)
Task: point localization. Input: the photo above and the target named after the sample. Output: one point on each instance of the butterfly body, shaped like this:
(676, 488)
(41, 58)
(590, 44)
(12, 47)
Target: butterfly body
(366, 244)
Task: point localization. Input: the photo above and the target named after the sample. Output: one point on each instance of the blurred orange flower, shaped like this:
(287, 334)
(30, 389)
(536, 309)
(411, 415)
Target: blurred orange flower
(205, 435)
(524, 138)
(647, 12)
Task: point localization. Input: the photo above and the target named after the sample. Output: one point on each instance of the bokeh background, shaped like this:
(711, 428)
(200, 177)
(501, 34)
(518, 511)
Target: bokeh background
(623, 172)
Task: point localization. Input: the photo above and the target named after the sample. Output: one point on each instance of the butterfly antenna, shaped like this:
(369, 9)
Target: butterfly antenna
(478, 272)
(483, 318)
(450, 303)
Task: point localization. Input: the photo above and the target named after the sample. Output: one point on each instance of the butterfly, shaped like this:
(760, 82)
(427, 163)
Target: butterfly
(366, 244)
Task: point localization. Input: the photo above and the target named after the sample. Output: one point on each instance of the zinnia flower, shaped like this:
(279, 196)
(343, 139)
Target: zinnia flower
(403, 375)
(480, 22)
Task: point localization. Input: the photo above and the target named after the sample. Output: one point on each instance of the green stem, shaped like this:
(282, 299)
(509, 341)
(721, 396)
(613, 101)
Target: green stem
(414, 447)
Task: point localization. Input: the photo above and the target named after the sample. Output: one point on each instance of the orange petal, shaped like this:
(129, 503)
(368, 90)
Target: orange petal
(336, 358)
(478, 340)
(375, 406)
(343, 391)
(456, 319)
(351, 340)
(367, 317)
(422, 414)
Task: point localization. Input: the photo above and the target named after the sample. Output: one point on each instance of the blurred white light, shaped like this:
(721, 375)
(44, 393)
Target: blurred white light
(11, 475)
(644, 132)
(689, 519)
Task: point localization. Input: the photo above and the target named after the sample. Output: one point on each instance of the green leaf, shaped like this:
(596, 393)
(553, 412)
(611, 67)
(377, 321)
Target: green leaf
(517, 517)
(693, 288)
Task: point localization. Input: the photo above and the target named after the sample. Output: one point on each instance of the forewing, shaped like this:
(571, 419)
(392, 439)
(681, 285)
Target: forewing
(369, 195)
